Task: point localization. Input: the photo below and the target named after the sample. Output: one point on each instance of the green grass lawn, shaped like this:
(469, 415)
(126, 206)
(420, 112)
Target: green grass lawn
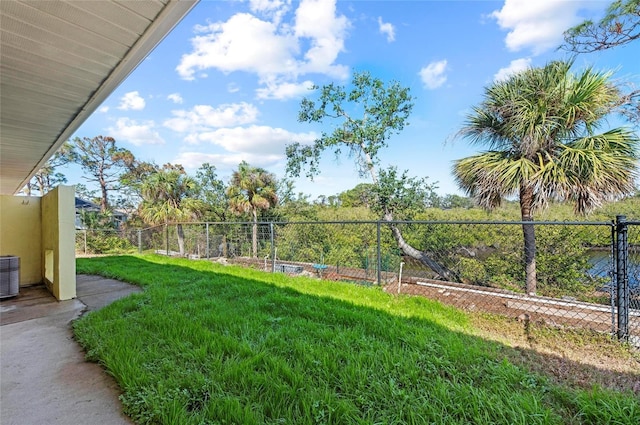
(209, 344)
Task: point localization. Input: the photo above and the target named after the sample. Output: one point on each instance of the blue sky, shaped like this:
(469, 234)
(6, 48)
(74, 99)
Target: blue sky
(225, 85)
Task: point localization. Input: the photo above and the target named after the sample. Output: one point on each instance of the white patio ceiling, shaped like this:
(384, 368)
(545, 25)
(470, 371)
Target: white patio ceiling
(59, 60)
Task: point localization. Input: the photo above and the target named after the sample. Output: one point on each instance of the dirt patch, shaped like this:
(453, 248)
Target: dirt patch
(574, 357)
(568, 342)
(557, 312)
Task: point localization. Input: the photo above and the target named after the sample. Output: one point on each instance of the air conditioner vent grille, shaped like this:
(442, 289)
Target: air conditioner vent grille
(9, 276)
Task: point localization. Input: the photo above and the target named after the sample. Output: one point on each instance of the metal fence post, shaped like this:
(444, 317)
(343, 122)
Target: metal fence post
(622, 277)
(207, 230)
(140, 241)
(166, 228)
(273, 248)
(613, 267)
(378, 253)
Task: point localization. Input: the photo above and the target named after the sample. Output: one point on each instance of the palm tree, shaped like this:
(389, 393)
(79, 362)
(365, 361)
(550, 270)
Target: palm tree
(168, 196)
(252, 189)
(539, 126)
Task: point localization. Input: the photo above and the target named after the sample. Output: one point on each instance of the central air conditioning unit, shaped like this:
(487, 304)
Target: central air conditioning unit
(9, 276)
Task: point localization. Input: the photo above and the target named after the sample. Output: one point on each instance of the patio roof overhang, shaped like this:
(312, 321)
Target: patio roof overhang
(59, 60)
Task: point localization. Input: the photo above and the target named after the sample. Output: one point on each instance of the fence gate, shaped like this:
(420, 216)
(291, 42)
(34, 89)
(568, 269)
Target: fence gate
(627, 280)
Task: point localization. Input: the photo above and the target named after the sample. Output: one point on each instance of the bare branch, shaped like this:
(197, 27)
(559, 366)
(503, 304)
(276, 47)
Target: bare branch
(620, 26)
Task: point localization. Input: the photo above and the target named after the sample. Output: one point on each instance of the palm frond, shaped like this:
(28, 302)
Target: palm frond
(539, 128)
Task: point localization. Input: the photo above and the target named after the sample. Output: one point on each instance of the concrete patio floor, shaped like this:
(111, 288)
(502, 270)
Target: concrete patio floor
(44, 378)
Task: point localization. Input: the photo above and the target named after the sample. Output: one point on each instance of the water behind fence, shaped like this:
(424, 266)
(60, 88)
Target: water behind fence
(476, 266)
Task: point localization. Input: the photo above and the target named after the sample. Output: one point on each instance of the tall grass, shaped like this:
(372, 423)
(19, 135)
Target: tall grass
(209, 344)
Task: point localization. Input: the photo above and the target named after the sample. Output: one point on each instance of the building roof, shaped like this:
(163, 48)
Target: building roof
(81, 204)
(59, 60)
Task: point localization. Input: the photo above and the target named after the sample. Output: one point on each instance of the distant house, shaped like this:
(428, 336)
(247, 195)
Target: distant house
(83, 206)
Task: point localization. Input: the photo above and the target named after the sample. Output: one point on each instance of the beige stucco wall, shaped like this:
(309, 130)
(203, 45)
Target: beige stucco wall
(41, 231)
(20, 235)
(58, 242)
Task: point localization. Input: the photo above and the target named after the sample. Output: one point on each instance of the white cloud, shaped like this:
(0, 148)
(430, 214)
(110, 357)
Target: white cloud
(193, 160)
(281, 91)
(103, 109)
(536, 25)
(253, 139)
(205, 117)
(132, 101)
(317, 20)
(137, 133)
(175, 98)
(267, 6)
(433, 75)
(243, 43)
(388, 29)
(233, 88)
(514, 67)
(271, 49)
(258, 145)
(274, 9)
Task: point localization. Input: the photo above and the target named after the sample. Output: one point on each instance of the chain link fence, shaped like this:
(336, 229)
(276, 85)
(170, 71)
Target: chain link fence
(105, 241)
(634, 264)
(477, 266)
(627, 273)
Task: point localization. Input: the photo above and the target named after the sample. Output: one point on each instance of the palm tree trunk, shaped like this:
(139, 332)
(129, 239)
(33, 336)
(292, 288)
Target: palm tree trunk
(180, 232)
(254, 234)
(528, 231)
